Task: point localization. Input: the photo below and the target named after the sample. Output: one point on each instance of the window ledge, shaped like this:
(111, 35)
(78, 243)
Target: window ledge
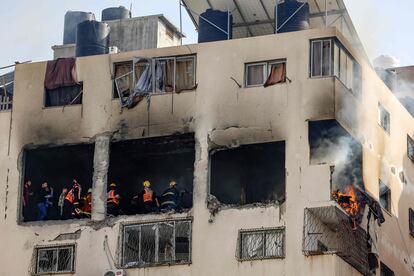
(258, 205)
(138, 266)
(60, 106)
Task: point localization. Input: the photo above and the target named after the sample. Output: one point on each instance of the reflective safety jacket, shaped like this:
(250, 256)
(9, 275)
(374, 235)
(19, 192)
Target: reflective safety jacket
(147, 196)
(72, 195)
(112, 197)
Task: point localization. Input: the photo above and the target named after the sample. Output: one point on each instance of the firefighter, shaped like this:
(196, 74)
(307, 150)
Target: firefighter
(112, 201)
(170, 199)
(147, 199)
(71, 203)
(87, 204)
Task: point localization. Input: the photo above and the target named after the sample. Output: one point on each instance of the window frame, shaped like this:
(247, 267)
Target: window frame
(139, 225)
(331, 57)
(386, 269)
(53, 248)
(280, 231)
(410, 143)
(114, 84)
(80, 94)
(411, 221)
(266, 70)
(381, 109)
(388, 194)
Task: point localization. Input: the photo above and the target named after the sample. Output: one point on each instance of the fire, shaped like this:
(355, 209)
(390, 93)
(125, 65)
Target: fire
(349, 202)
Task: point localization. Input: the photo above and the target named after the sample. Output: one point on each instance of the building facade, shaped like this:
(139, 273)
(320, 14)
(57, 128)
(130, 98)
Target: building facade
(238, 221)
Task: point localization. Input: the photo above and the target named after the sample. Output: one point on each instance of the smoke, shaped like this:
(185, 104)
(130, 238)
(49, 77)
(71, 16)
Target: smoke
(385, 62)
(334, 146)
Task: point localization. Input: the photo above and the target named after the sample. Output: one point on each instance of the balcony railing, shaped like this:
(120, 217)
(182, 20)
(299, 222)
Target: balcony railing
(327, 230)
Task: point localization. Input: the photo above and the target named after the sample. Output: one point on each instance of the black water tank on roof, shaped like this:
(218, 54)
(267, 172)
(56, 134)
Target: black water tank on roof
(92, 38)
(300, 16)
(115, 13)
(72, 19)
(208, 32)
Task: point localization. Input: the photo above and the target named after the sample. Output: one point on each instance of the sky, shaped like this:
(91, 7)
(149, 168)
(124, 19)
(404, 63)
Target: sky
(29, 28)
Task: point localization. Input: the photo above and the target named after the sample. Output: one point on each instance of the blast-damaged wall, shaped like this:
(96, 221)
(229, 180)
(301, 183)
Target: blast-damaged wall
(220, 114)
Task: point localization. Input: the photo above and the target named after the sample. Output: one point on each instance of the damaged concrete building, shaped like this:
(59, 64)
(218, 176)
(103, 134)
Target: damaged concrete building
(291, 149)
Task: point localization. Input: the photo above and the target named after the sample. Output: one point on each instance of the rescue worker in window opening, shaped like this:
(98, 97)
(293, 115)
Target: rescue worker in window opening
(112, 201)
(61, 201)
(28, 202)
(87, 204)
(171, 198)
(43, 200)
(147, 199)
(71, 203)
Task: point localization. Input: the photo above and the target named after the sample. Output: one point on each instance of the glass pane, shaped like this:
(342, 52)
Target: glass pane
(256, 74)
(124, 85)
(350, 72)
(166, 242)
(131, 246)
(274, 244)
(316, 58)
(122, 69)
(343, 67)
(47, 260)
(65, 259)
(337, 52)
(148, 236)
(385, 196)
(182, 241)
(252, 245)
(326, 58)
(185, 77)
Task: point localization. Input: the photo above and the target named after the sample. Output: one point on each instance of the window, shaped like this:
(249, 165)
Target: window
(386, 271)
(166, 242)
(321, 59)
(411, 221)
(68, 95)
(330, 58)
(172, 74)
(6, 101)
(265, 73)
(249, 174)
(384, 118)
(58, 167)
(385, 196)
(410, 148)
(55, 260)
(123, 79)
(6, 91)
(261, 244)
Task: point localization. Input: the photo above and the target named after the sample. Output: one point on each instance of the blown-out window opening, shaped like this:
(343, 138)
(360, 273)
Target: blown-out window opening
(411, 221)
(384, 119)
(410, 148)
(385, 196)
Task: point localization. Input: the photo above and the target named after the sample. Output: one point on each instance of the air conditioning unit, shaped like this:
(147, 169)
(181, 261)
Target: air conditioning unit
(113, 50)
(115, 272)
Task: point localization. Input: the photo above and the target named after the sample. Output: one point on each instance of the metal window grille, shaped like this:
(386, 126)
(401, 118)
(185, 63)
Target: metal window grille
(5, 103)
(151, 244)
(261, 244)
(54, 260)
(328, 230)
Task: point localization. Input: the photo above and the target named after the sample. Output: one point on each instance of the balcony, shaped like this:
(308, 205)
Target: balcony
(327, 230)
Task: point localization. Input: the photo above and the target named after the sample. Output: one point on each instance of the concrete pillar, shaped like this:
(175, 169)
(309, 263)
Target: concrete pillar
(100, 173)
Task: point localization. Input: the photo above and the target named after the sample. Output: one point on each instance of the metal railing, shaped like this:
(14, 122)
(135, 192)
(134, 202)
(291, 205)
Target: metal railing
(5, 103)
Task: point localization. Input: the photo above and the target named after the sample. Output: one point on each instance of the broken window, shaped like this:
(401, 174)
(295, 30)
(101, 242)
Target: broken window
(410, 148)
(265, 73)
(158, 160)
(330, 58)
(160, 243)
(249, 174)
(55, 260)
(123, 79)
(58, 166)
(61, 84)
(6, 91)
(331, 144)
(261, 244)
(411, 221)
(172, 74)
(386, 271)
(385, 196)
(383, 118)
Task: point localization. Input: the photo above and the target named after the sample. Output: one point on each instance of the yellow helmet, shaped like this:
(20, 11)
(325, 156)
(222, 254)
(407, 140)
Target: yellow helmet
(112, 185)
(146, 183)
(173, 183)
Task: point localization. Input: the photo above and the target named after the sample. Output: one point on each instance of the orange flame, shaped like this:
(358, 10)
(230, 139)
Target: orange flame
(349, 202)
